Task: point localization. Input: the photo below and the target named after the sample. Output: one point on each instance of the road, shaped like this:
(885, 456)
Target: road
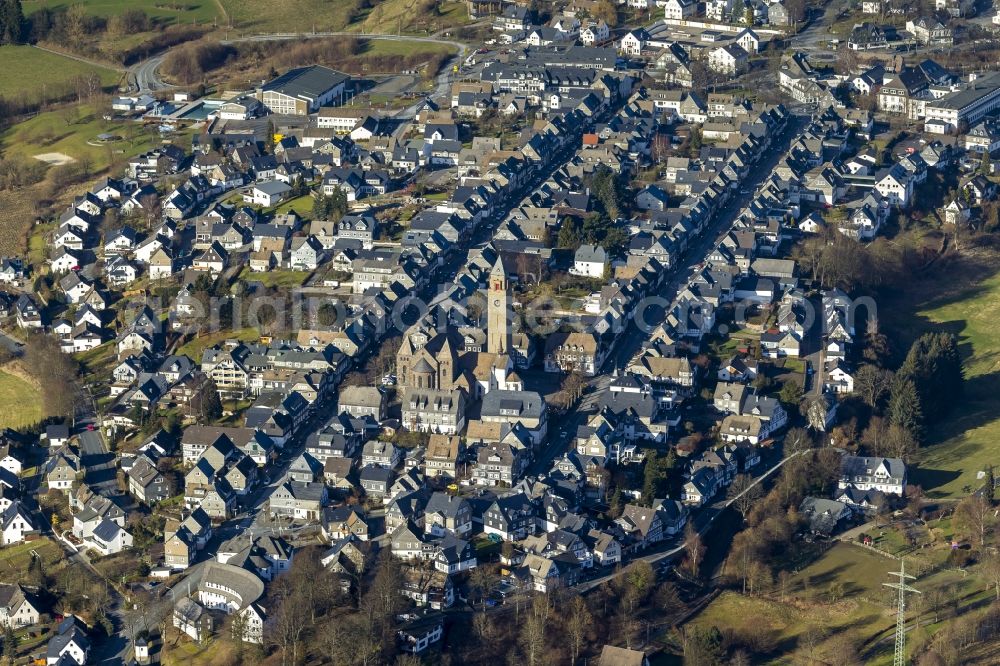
(10, 344)
(146, 78)
(563, 430)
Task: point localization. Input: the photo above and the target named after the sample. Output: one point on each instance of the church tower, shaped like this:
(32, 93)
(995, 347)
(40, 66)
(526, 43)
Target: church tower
(497, 309)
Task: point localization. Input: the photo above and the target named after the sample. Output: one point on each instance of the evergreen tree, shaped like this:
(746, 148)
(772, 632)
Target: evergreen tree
(904, 406)
(269, 139)
(934, 365)
(337, 203)
(569, 237)
(655, 475)
(10, 644)
(12, 23)
(211, 405)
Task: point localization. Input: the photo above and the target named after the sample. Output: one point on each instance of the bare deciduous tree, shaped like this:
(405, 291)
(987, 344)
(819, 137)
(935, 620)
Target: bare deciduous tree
(744, 492)
(577, 625)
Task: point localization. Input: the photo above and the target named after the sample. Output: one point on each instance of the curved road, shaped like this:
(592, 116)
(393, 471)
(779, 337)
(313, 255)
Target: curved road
(147, 78)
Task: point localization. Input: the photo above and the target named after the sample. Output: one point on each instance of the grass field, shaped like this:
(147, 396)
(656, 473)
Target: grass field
(69, 130)
(295, 15)
(404, 48)
(301, 205)
(30, 72)
(411, 16)
(840, 594)
(196, 346)
(285, 279)
(188, 11)
(969, 439)
(65, 131)
(386, 16)
(14, 560)
(20, 402)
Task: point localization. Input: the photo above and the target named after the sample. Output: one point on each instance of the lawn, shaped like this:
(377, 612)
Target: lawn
(198, 11)
(20, 402)
(387, 17)
(285, 279)
(194, 348)
(407, 16)
(14, 559)
(295, 15)
(778, 628)
(841, 592)
(301, 205)
(969, 439)
(30, 72)
(404, 48)
(73, 131)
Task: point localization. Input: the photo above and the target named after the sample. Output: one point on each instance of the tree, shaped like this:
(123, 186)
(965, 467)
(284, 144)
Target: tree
(269, 139)
(876, 436)
(481, 580)
(991, 571)
(211, 405)
(702, 647)
(616, 505)
(900, 442)
(695, 549)
(569, 235)
(55, 372)
(573, 385)
(744, 492)
(791, 393)
(904, 404)
(606, 11)
(290, 619)
(797, 440)
(655, 475)
(10, 644)
(974, 515)
(12, 23)
(872, 383)
(577, 625)
(533, 631)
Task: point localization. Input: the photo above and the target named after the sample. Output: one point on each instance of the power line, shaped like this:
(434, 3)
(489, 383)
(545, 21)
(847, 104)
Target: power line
(900, 656)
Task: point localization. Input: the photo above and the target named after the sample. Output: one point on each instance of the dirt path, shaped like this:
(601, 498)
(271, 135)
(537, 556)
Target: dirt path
(95, 63)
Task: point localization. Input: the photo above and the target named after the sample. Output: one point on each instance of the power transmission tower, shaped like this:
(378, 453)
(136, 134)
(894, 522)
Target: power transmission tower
(900, 657)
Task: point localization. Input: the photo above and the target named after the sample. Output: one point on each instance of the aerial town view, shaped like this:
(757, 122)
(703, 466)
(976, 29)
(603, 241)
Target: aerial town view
(500, 332)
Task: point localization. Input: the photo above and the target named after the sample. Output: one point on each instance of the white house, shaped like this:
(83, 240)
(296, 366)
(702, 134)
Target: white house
(595, 33)
(633, 42)
(749, 40)
(679, 9)
(895, 185)
(589, 261)
(15, 609)
(729, 59)
(268, 193)
(15, 523)
(866, 473)
(108, 538)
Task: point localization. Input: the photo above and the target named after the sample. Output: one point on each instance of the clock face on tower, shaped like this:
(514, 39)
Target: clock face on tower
(496, 301)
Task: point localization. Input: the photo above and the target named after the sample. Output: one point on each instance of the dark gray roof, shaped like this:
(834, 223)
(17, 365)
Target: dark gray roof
(309, 82)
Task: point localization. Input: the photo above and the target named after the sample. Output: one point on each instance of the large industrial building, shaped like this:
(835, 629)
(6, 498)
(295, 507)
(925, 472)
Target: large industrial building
(304, 90)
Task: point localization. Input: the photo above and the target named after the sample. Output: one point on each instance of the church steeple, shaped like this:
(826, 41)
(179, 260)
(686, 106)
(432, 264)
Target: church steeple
(497, 308)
